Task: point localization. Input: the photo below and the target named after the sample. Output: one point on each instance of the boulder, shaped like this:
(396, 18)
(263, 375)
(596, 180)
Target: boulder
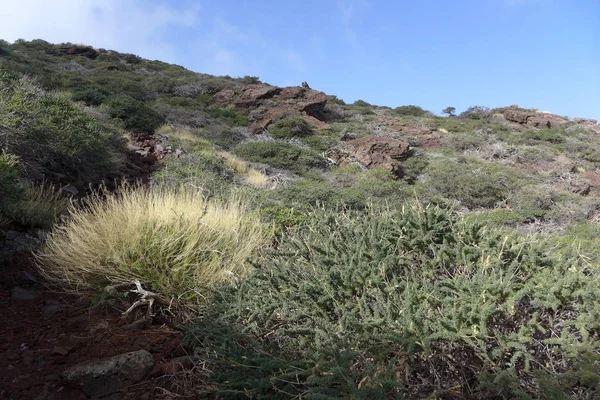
(19, 293)
(372, 152)
(100, 378)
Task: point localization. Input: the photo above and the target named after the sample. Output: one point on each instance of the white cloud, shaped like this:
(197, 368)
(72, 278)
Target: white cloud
(134, 26)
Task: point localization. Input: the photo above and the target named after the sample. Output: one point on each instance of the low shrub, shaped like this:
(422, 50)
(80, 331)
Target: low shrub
(411, 110)
(91, 95)
(476, 112)
(136, 117)
(11, 189)
(473, 183)
(229, 115)
(308, 193)
(281, 155)
(410, 304)
(290, 127)
(52, 135)
(173, 241)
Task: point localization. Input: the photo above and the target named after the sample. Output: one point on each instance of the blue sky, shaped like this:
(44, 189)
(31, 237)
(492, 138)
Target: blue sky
(541, 54)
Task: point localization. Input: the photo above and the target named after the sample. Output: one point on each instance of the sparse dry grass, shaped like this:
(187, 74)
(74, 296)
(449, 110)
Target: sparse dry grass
(173, 241)
(41, 206)
(257, 179)
(250, 175)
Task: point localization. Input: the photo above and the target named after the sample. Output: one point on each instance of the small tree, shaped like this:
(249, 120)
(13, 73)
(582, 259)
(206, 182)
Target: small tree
(449, 110)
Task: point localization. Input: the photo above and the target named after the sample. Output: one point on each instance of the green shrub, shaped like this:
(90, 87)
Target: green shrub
(11, 189)
(281, 155)
(465, 141)
(361, 103)
(135, 115)
(551, 135)
(473, 183)
(52, 135)
(289, 127)
(476, 112)
(307, 193)
(91, 95)
(229, 115)
(411, 110)
(409, 304)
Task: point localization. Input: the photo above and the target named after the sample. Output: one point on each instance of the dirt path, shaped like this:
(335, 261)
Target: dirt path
(42, 334)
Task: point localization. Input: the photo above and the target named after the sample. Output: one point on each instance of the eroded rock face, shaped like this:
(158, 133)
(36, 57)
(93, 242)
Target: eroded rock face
(85, 51)
(372, 152)
(534, 119)
(106, 376)
(270, 102)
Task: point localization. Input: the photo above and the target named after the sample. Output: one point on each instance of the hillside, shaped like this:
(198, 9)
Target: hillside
(393, 253)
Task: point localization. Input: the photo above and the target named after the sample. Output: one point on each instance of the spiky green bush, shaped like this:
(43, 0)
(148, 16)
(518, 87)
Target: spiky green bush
(408, 304)
(473, 183)
(281, 155)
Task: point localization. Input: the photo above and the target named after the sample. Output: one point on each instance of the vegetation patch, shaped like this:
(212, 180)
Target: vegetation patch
(52, 136)
(173, 241)
(384, 305)
(281, 155)
(290, 127)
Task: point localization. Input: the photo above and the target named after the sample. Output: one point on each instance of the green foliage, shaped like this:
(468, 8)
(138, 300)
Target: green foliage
(282, 218)
(52, 135)
(249, 80)
(281, 155)
(11, 189)
(292, 126)
(411, 110)
(385, 305)
(335, 100)
(473, 183)
(136, 117)
(229, 115)
(551, 135)
(462, 142)
(307, 193)
(91, 95)
(476, 112)
(361, 103)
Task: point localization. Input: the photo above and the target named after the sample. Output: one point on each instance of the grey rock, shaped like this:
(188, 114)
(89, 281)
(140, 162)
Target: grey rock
(100, 378)
(70, 189)
(19, 293)
(51, 309)
(26, 278)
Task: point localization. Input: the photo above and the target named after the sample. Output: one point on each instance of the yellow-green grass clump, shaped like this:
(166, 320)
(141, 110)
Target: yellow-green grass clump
(173, 241)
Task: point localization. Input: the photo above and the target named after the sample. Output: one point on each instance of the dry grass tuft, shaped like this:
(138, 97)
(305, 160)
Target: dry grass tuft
(173, 241)
(250, 175)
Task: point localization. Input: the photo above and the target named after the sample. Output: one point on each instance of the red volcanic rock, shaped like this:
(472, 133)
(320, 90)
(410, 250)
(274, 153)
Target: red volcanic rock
(534, 118)
(372, 152)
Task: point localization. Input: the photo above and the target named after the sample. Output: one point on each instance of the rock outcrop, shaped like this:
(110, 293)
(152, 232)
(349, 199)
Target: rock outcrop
(266, 103)
(372, 152)
(427, 138)
(77, 50)
(534, 119)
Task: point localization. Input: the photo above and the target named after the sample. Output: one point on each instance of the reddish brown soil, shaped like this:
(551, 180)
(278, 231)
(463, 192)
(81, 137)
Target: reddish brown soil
(40, 338)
